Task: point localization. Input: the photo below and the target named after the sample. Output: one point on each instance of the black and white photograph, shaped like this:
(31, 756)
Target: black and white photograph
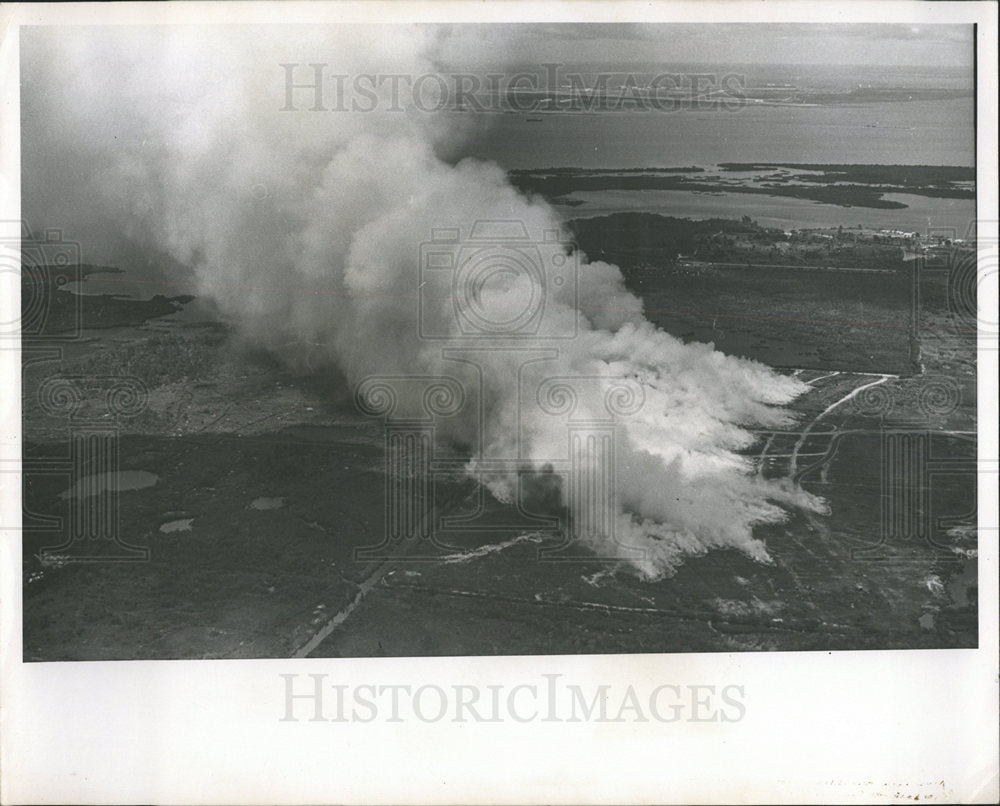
(423, 338)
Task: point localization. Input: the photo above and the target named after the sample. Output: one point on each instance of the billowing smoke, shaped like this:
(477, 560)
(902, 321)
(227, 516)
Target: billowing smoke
(322, 228)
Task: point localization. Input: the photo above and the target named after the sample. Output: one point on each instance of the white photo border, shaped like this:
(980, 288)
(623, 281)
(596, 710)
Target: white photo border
(844, 727)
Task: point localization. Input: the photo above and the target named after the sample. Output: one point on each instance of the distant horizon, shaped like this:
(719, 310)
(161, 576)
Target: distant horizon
(727, 63)
(763, 44)
(950, 71)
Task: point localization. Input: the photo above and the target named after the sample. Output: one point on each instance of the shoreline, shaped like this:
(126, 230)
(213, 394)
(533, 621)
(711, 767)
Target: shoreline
(842, 185)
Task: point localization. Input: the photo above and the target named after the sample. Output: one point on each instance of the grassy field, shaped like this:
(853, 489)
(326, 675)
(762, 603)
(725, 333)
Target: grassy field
(787, 301)
(268, 480)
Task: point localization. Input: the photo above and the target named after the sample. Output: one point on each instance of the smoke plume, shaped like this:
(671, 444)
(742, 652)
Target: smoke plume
(311, 228)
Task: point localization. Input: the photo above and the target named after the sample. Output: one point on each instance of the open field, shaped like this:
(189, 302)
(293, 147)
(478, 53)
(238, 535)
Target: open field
(805, 300)
(265, 482)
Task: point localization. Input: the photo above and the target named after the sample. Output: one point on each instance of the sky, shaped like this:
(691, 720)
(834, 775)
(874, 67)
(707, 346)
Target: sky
(770, 43)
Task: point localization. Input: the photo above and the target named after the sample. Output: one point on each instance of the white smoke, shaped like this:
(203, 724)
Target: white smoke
(306, 228)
